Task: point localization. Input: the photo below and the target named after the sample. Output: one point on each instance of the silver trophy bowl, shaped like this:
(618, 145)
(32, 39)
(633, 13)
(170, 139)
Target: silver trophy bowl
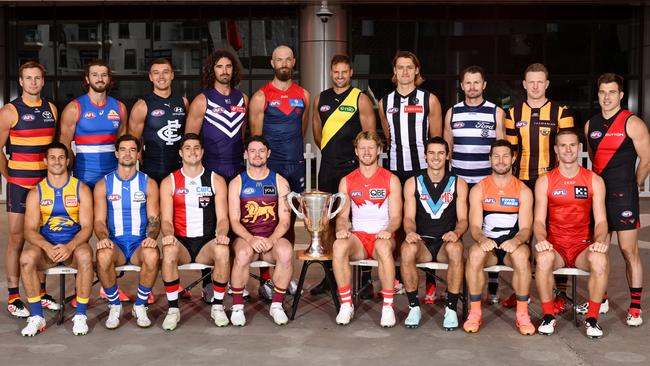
(315, 209)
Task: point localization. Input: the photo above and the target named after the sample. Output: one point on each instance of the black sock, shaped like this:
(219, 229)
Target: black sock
(452, 301)
(413, 298)
(493, 283)
(205, 273)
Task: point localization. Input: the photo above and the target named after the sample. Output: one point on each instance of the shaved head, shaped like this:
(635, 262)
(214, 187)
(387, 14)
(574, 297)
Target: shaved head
(282, 51)
(283, 62)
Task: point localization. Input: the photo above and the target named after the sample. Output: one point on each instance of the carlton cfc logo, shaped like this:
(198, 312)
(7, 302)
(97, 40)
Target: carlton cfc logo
(596, 135)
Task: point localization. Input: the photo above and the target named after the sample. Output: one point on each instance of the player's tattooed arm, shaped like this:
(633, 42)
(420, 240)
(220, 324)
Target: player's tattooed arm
(153, 227)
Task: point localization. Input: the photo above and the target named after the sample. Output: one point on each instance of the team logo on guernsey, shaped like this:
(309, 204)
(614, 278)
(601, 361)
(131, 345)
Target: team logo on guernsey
(168, 133)
(157, 113)
(347, 108)
(255, 210)
(28, 117)
(392, 110)
(521, 124)
(274, 103)
(46, 202)
(626, 214)
(58, 223)
(89, 115)
(447, 197)
(559, 192)
(139, 197)
(356, 194)
(70, 201)
(413, 109)
(204, 201)
(544, 131)
(269, 190)
(459, 125)
(581, 192)
(489, 200)
(596, 134)
(377, 193)
(510, 201)
(248, 190)
(324, 108)
(113, 115)
(182, 191)
(114, 197)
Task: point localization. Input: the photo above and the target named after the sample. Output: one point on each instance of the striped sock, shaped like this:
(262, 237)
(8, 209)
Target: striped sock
(43, 291)
(345, 294)
(143, 295)
(13, 294)
(35, 306)
(278, 294)
(475, 304)
(219, 292)
(112, 295)
(237, 295)
(171, 290)
(82, 305)
(635, 303)
(388, 296)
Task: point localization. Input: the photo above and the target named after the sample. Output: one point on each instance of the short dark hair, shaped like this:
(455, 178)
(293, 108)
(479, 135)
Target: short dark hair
(257, 138)
(191, 136)
(502, 143)
(208, 76)
(57, 145)
(340, 59)
(410, 55)
(436, 140)
(128, 137)
(31, 65)
(568, 131)
(97, 62)
(610, 77)
(161, 61)
(474, 69)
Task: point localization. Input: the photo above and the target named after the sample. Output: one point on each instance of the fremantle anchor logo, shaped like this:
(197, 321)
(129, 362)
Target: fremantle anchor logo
(168, 133)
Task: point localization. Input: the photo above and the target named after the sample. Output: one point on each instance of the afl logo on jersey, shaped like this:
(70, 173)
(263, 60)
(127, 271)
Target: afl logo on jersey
(182, 191)
(355, 194)
(626, 213)
(392, 110)
(596, 134)
(559, 192)
(157, 113)
(28, 117)
(489, 200)
(377, 193)
(324, 108)
(139, 197)
(89, 115)
(521, 124)
(46, 202)
(113, 197)
(447, 197)
(424, 197)
(274, 103)
(459, 125)
(248, 190)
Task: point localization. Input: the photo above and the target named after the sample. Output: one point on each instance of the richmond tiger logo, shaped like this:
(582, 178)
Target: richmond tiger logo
(255, 211)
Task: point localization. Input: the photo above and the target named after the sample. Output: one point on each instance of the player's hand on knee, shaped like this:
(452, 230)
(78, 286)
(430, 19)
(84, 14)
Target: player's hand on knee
(222, 239)
(149, 243)
(412, 238)
(509, 246)
(342, 234)
(384, 235)
(64, 252)
(52, 253)
(487, 245)
(169, 240)
(543, 246)
(450, 237)
(105, 244)
(599, 247)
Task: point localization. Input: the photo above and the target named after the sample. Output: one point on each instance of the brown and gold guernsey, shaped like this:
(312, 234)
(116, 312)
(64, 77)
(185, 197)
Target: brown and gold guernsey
(532, 131)
(259, 203)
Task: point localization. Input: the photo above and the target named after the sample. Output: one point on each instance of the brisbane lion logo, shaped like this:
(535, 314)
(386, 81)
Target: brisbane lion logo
(255, 211)
(58, 223)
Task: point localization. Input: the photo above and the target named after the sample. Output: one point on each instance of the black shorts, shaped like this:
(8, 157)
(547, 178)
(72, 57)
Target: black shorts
(403, 176)
(16, 198)
(194, 245)
(433, 245)
(329, 176)
(622, 204)
(294, 173)
(500, 253)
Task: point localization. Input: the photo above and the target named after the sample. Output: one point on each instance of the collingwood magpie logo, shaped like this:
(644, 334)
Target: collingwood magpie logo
(168, 133)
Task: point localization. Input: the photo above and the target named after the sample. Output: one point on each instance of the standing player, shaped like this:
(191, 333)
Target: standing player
(58, 224)
(194, 209)
(435, 219)
(159, 119)
(374, 200)
(500, 220)
(94, 121)
(531, 128)
(616, 138)
(340, 113)
(566, 236)
(27, 126)
(259, 216)
(127, 223)
(471, 126)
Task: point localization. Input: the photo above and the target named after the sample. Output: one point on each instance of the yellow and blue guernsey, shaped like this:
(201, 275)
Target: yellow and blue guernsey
(59, 211)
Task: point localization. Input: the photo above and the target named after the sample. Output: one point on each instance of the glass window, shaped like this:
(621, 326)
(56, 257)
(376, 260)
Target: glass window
(180, 40)
(33, 43)
(568, 47)
(125, 49)
(124, 31)
(129, 59)
(80, 43)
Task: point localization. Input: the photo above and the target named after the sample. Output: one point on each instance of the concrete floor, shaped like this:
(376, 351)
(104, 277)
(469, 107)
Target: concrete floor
(314, 338)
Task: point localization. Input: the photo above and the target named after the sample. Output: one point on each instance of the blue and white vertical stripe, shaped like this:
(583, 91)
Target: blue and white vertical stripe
(127, 207)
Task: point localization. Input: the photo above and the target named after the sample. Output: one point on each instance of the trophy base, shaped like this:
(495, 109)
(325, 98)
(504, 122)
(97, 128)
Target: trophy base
(315, 249)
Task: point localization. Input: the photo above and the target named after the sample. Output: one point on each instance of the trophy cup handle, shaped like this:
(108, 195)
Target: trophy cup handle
(290, 198)
(341, 197)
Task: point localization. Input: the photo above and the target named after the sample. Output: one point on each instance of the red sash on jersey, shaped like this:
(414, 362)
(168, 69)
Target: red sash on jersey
(613, 139)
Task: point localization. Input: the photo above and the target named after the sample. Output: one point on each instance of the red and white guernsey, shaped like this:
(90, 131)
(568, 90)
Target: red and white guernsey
(369, 200)
(194, 208)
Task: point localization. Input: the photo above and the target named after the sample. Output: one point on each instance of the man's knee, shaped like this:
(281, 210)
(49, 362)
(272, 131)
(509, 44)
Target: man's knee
(598, 263)
(170, 254)
(520, 258)
(454, 252)
(83, 257)
(384, 249)
(476, 256)
(150, 256)
(408, 252)
(29, 259)
(283, 253)
(341, 248)
(545, 260)
(221, 254)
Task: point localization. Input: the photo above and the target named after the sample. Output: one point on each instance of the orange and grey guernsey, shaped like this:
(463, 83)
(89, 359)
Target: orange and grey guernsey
(31, 131)
(532, 131)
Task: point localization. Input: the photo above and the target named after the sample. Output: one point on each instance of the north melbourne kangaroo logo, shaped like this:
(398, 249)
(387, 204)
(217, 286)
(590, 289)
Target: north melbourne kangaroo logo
(168, 133)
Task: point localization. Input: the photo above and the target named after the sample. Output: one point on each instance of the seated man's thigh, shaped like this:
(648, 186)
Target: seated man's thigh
(386, 246)
(519, 257)
(586, 259)
(476, 254)
(212, 252)
(82, 254)
(140, 255)
(281, 248)
(37, 257)
(356, 249)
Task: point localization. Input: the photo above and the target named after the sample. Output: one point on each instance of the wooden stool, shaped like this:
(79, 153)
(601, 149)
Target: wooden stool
(308, 261)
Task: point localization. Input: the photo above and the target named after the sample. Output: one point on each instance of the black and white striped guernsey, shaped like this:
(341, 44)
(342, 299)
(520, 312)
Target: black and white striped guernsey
(408, 121)
(474, 130)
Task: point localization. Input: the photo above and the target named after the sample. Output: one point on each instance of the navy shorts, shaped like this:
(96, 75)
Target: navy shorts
(294, 173)
(194, 245)
(16, 198)
(622, 204)
(330, 176)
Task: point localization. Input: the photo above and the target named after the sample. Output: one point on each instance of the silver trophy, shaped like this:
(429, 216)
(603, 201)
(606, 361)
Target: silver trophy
(316, 211)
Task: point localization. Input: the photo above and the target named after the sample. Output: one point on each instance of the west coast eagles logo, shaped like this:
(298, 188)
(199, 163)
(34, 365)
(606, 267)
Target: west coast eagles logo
(256, 210)
(58, 223)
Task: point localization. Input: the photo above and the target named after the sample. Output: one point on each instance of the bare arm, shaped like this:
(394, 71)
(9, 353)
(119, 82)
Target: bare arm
(8, 118)
(196, 114)
(69, 119)
(409, 207)
(384, 122)
(284, 215)
(462, 221)
(511, 131)
(501, 124)
(598, 206)
(221, 208)
(234, 210)
(435, 117)
(167, 207)
(367, 113)
(33, 222)
(137, 117)
(448, 133)
(394, 206)
(85, 217)
(525, 220)
(123, 120)
(256, 113)
(541, 207)
(245, 124)
(316, 123)
(638, 132)
(305, 114)
(343, 218)
(100, 207)
(476, 214)
(153, 209)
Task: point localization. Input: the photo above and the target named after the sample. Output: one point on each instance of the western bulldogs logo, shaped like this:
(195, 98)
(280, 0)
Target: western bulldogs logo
(157, 113)
(377, 193)
(596, 135)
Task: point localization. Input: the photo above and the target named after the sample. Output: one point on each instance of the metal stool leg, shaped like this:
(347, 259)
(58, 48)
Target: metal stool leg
(301, 282)
(332, 283)
(575, 299)
(61, 298)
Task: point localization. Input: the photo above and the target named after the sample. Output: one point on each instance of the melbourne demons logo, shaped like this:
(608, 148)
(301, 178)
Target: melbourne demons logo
(169, 133)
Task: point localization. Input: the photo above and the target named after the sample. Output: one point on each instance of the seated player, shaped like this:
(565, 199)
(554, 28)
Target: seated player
(194, 210)
(374, 200)
(259, 216)
(58, 224)
(127, 223)
(565, 200)
(500, 220)
(435, 219)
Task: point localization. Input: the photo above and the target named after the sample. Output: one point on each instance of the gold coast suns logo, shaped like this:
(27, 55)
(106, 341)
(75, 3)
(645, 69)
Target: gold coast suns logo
(255, 211)
(58, 223)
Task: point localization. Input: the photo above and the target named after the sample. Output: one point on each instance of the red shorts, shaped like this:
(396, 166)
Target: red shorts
(368, 240)
(569, 250)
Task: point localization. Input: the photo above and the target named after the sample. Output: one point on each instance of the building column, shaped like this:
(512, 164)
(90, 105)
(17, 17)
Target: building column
(645, 67)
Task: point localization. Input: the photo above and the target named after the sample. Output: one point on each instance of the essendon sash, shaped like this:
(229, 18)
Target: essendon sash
(613, 139)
